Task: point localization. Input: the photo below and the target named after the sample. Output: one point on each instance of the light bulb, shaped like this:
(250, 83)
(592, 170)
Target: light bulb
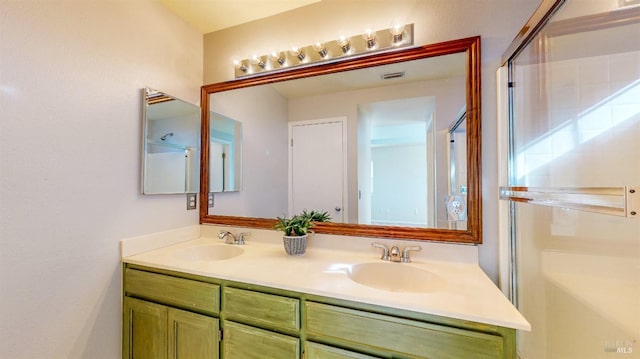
(278, 57)
(344, 44)
(297, 52)
(257, 60)
(240, 65)
(321, 49)
(370, 38)
(397, 31)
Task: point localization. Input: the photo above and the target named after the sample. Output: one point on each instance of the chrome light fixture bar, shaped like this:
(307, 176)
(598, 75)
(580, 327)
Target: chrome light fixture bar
(396, 37)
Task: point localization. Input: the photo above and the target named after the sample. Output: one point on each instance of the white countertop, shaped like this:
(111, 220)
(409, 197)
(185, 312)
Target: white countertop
(468, 293)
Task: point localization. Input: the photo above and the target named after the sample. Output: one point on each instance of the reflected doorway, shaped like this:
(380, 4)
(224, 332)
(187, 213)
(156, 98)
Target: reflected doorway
(396, 162)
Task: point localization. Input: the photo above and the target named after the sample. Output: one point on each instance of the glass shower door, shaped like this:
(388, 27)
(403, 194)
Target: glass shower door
(574, 183)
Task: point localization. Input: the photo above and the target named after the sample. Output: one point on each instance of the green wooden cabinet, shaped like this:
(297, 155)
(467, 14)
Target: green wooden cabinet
(155, 331)
(262, 310)
(144, 330)
(416, 339)
(192, 335)
(177, 292)
(319, 351)
(246, 342)
(169, 314)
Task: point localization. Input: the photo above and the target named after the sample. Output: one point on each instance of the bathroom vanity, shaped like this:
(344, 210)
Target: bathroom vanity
(202, 298)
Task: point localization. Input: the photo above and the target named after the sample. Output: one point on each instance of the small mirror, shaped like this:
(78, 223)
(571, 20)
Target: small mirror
(225, 153)
(170, 144)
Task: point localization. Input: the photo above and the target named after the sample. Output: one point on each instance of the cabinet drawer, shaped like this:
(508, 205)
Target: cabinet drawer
(355, 328)
(244, 342)
(319, 351)
(260, 309)
(178, 292)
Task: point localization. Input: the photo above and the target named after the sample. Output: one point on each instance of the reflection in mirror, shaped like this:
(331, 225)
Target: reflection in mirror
(456, 201)
(225, 153)
(396, 160)
(171, 144)
(392, 133)
(381, 122)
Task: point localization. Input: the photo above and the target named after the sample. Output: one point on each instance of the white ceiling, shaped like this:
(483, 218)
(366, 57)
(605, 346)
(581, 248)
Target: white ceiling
(212, 15)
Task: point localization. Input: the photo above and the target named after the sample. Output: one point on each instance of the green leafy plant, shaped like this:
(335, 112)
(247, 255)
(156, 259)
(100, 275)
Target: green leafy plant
(294, 226)
(300, 224)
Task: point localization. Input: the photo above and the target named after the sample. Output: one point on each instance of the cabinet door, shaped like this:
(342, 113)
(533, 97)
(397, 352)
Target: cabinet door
(245, 342)
(319, 351)
(145, 330)
(192, 336)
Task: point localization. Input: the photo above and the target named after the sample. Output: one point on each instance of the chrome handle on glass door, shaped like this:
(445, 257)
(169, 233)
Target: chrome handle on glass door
(616, 201)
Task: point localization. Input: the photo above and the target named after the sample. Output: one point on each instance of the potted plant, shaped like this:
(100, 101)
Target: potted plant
(297, 228)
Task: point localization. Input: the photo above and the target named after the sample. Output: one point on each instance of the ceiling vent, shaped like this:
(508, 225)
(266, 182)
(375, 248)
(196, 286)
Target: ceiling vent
(392, 75)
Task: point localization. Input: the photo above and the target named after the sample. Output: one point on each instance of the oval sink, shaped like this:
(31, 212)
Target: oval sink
(396, 277)
(209, 252)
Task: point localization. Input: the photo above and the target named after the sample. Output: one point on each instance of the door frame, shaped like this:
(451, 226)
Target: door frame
(345, 182)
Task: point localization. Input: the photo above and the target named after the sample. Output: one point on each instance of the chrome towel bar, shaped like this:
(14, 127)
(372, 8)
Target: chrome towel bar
(616, 201)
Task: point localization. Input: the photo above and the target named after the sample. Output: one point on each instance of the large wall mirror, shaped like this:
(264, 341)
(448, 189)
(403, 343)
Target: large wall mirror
(367, 139)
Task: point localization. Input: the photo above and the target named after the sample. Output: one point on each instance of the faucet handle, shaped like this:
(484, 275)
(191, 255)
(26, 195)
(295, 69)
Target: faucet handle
(240, 237)
(385, 250)
(405, 253)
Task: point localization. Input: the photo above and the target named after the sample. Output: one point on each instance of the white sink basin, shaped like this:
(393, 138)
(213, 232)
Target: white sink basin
(396, 277)
(209, 252)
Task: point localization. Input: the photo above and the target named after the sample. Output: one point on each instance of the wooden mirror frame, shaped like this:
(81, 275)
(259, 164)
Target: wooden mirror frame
(473, 233)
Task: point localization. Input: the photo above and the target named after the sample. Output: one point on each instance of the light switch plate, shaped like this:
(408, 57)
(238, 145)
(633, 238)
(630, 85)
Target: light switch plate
(191, 200)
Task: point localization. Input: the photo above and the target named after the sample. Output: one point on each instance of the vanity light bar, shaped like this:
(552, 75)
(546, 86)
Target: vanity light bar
(369, 42)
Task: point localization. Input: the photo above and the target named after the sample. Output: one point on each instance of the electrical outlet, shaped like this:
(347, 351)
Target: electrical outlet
(191, 200)
(210, 199)
(456, 208)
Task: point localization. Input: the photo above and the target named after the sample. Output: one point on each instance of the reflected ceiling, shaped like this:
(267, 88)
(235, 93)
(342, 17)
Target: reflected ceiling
(453, 65)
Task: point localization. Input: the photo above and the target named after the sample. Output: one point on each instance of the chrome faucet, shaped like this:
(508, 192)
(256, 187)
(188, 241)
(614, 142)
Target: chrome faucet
(394, 255)
(230, 238)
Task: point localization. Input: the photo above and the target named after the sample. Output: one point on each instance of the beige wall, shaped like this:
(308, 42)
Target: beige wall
(70, 136)
(497, 21)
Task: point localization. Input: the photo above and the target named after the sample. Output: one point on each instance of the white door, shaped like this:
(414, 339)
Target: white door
(317, 167)
(216, 159)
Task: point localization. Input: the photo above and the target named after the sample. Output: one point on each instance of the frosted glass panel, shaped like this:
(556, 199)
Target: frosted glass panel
(577, 119)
